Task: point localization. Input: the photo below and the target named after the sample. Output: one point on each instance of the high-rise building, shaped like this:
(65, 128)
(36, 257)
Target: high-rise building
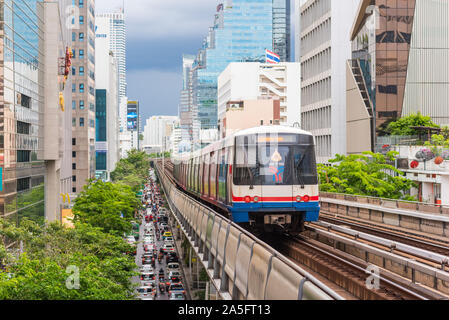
(261, 81)
(158, 129)
(399, 66)
(83, 95)
(113, 28)
(325, 48)
(107, 101)
(242, 31)
(189, 125)
(34, 167)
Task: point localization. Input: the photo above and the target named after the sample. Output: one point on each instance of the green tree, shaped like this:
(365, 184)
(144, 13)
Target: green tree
(402, 127)
(129, 170)
(110, 206)
(368, 174)
(40, 273)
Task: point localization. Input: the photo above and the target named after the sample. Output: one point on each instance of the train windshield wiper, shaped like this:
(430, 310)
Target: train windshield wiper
(299, 166)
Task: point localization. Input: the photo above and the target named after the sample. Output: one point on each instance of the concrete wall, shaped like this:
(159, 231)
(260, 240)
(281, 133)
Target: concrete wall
(358, 136)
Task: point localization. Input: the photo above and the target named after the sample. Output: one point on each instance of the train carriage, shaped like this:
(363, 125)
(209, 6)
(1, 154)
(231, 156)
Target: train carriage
(264, 176)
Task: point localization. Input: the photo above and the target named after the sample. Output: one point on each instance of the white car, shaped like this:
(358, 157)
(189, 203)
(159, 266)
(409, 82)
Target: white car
(146, 268)
(131, 240)
(173, 266)
(145, 293)
(168, 247)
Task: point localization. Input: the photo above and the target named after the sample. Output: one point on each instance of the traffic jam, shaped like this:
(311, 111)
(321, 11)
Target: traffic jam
(160, 268)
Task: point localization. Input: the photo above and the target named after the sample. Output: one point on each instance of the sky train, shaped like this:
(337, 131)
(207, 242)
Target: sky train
(265, 177)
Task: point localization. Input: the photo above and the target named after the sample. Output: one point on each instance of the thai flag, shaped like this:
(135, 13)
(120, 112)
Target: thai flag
(272, 57)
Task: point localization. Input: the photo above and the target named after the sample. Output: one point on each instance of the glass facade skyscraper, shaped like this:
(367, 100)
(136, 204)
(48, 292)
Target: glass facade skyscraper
(21, 110)
(242, 31)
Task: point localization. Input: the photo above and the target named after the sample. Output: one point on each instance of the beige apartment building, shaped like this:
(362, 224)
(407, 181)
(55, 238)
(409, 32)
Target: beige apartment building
(83, 96)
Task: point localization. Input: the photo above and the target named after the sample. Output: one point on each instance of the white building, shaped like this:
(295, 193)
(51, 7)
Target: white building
(325, 48)
(107, 104)
(256, 81)
(158, 130)
(115, 31)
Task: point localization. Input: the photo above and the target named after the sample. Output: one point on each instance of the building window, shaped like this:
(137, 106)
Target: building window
(74, 54)
(73, 154)
(23, 155)
(81, 19)
(81, 104)
(81, 87)
(74, 178)
(73, 122)
(23, 184)
(73, 166)
(81, 37)
(73, 105)
(73, 87)
(81, 53)
(74, 190)
(73, 141)
(92, 123)
(24, 100)
(81, 122)
(73, 71)
(23, 127)
(81, 4)
(73, 36)
(81, 72)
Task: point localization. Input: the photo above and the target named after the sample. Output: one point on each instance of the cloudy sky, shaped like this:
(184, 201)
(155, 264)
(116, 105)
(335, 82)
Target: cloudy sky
(158, 33)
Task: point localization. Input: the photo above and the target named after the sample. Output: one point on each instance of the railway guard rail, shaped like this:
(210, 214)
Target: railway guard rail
(389, 203)
(240, 266)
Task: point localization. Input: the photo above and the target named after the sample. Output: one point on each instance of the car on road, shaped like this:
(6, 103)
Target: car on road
(148, 276)
(176, 288)
(173, 266)
(172, 275)
(167, 234)
(146, 269)
(131, 240)
(169, 239)
(145, 292)
(176, 296)
(171, 257)
(168, 247)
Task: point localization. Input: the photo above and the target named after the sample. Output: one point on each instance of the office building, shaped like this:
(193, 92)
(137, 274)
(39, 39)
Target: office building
(34, 93)
(242, 31)
(111, 26)
(188, 115)
(325, 48)
(158, 130)
(83, 96)
(261, 81)
(107, 104)
(399, 66)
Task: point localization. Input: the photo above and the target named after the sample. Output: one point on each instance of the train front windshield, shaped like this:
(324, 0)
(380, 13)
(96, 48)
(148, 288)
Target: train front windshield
(284, 159)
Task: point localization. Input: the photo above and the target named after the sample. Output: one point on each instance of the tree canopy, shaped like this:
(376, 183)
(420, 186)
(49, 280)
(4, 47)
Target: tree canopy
(133, 170)
(110, 206)
(402, 127)
(40, 272)
(367, 174)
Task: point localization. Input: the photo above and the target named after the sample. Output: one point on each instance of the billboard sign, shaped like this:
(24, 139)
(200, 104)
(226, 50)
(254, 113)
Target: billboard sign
(132, 116)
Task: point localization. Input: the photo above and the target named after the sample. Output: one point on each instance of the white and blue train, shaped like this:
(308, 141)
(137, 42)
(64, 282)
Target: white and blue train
(265, 177)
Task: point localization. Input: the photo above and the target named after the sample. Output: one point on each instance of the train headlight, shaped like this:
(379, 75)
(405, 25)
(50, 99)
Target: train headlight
(247, 199)
(298, 199)
(256, 199)
(306, 198)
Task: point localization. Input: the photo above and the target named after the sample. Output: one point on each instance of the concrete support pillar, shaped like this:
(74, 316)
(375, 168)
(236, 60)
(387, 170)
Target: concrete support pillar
(52, 191)
(445, 190)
